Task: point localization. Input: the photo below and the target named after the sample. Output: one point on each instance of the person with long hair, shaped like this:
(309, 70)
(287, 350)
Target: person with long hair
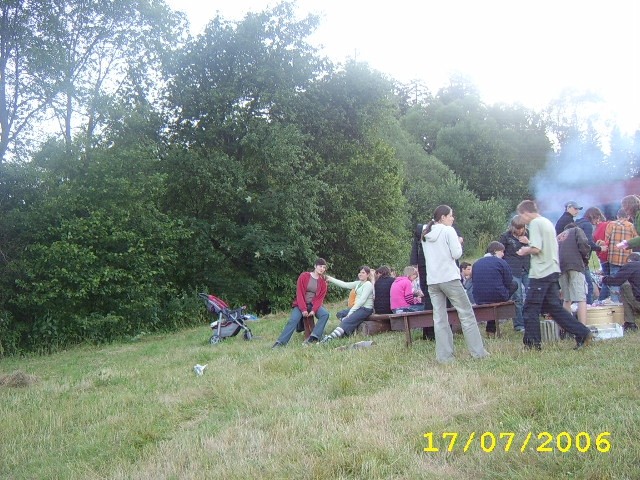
(631, 204)
(382, 290)
(416, 258)
(361, 309)
(513, 240)
(442, 247)
(591, 218)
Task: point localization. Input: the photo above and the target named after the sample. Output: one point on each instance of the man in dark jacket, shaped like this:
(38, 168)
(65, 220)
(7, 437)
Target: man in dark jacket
(571, 210)
(628, 278)
(573, 252)
(493, 280)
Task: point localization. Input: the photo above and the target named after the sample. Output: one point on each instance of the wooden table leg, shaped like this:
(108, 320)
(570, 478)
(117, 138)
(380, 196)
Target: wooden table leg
(407, 331)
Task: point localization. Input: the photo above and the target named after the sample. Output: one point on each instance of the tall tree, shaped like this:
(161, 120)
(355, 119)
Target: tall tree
(61, 60)
(100, 45)
(237, 169)
(364, 214)
(27, 76)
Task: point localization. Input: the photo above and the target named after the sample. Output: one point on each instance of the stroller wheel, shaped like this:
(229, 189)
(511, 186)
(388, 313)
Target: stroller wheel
(248, 335)
(214, 339)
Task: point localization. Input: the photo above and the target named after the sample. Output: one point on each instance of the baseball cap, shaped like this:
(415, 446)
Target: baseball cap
(573, 204)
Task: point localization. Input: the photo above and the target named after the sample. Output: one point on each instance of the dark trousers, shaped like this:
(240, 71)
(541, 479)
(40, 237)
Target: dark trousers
(491, 324)
(543, 296)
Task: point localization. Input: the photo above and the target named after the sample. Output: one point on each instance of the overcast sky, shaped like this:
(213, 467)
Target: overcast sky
(514, 52)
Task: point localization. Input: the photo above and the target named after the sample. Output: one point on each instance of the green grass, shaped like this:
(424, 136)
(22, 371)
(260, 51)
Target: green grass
(137, 411)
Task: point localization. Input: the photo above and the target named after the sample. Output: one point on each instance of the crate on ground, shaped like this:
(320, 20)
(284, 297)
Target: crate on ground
(605, 314)
(549, 330)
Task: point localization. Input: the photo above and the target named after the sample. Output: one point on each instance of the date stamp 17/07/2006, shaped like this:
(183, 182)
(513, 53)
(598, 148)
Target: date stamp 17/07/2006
(510, 441)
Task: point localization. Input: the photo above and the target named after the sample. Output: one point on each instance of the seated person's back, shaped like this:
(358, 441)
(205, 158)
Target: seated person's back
(492, 277)
(382, 290)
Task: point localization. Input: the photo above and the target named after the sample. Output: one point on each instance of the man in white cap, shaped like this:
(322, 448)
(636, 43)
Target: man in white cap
(571, 210)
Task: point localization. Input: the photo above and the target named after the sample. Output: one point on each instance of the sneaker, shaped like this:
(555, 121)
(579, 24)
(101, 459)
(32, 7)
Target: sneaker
(580, 344)
(628, 326)
(533, 346)
(327, 338)
(277, 345)
(519, 329)
(309, 341)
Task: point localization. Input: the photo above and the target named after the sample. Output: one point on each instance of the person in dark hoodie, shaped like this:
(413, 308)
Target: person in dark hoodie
(493, 280)
(442, 247)
(382, 290)
(573, 252)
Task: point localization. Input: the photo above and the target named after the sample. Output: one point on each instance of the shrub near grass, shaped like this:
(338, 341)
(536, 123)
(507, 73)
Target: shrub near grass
(137, 410)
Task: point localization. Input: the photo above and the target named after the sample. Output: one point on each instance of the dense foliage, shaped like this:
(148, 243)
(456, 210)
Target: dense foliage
(223, 163)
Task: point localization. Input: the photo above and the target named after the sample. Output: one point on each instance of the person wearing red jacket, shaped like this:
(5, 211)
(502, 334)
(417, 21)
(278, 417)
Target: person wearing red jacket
(311, 289)
(603, 256)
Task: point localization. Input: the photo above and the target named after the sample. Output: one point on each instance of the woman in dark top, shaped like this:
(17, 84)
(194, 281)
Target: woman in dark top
(514, 239)
(417, 260)
(382, 290)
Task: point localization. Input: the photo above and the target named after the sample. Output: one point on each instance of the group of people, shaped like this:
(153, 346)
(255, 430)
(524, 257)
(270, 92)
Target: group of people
(531, 263)
(613, 241)
(440, 248)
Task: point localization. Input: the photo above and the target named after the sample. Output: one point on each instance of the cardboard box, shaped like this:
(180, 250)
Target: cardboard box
(605, 314)
(618, 315)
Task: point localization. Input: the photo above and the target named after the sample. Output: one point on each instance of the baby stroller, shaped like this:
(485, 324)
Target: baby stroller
(229, 321)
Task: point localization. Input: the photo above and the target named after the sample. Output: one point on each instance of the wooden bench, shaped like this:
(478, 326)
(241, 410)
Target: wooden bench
(409, 320)
(374, 324)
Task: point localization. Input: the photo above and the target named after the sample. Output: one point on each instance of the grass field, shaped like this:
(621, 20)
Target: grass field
(136, 410)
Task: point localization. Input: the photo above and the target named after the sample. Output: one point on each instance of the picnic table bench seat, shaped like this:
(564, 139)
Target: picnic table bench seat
(378, 323)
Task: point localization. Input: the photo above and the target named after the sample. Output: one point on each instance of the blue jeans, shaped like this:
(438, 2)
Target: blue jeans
(614, 291)
(411, 308)
(589, 279)
(349, 323)
(518, 298)
(322, 316)
(604, 289)
(543, 296)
